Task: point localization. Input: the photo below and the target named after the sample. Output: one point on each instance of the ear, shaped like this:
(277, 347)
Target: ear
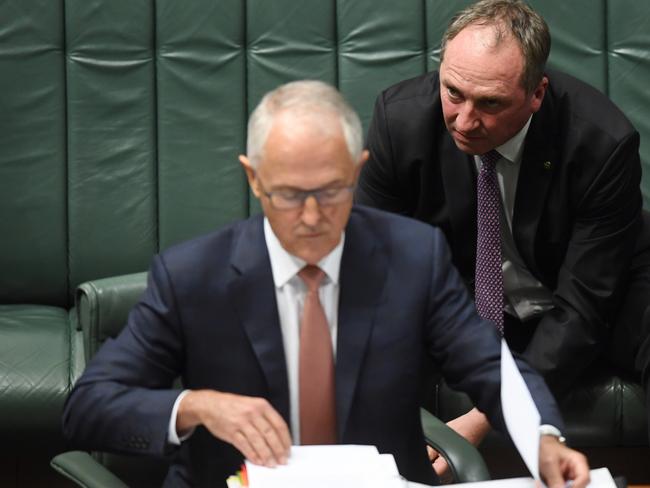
(362, 160)
(251, 174)
(538, 94)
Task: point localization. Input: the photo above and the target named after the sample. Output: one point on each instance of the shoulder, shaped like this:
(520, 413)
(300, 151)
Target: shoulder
(580, 104)
(424, 87)
(215, 246)
(394, 229)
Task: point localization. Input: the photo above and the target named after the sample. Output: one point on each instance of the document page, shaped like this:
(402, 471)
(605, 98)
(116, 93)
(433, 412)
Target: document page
(519, 411)
(343, 466)
(600, 478)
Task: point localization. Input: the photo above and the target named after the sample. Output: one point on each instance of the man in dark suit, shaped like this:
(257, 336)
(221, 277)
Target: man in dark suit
(222, 312)
(567, 176)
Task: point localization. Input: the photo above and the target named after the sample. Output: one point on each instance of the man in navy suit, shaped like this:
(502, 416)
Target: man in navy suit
(221, 311)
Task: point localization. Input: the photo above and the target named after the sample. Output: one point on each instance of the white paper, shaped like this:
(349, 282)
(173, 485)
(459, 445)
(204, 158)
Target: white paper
(600, 478)
(520, 412)
(342, 466)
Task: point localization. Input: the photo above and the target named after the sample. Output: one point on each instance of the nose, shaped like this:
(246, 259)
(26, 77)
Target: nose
(466, 119)
(310, 211)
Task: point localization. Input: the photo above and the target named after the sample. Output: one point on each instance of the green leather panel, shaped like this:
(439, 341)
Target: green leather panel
(102, 307)
(201, 116)
(288, 40)
(629, 70)
(578, 38)
(369, 60)
(77, 349)
(33, 260)
(34, 378)
(438, 14)
(81, 468)
(111, 137)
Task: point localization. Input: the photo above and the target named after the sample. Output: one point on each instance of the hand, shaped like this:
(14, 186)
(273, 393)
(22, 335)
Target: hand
(473, 426)
(250, 424)
(440, 466)
(559, 464)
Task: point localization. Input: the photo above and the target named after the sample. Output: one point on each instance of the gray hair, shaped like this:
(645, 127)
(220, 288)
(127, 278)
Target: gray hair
(512, 17)
(306, 98)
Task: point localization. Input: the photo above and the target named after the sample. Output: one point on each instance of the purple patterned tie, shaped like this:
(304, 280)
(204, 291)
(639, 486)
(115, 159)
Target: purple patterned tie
(489, 277)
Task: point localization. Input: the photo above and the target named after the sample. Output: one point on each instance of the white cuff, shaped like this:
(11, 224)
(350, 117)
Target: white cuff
(547, 429)
(172, 435)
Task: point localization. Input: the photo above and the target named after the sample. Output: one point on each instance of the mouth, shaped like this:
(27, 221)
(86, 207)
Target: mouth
(465, 137)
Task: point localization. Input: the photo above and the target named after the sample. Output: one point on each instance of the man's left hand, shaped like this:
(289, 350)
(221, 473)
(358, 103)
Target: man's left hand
(559, 464)
(473, 426)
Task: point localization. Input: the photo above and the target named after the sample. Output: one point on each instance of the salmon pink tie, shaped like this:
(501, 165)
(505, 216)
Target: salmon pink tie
(316, 368)
(489, 278)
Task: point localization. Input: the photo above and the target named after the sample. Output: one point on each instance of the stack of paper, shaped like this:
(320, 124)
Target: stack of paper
(343, 466)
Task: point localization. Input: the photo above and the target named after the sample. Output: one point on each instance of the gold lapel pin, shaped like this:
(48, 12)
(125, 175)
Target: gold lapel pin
(547, 165)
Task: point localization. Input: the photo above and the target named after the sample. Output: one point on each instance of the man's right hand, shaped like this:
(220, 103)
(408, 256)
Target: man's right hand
(250, 424)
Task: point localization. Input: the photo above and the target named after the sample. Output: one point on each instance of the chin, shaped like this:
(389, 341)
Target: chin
(470, 149)
(312, 255)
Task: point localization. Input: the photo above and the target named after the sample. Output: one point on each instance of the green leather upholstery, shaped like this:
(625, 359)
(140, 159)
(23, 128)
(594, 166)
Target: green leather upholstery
(34, 353)
(120, 126)
(103, 305)
(85, 471)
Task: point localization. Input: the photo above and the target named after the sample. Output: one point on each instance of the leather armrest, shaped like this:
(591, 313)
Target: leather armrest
(85, 471)
(103, 306)
(464, 460)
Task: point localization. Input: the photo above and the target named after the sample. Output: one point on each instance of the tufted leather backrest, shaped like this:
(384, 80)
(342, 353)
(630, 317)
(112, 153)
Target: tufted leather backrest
(121, 120)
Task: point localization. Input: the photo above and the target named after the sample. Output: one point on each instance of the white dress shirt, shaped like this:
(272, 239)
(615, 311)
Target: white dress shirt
(525, 296)
(290, 293)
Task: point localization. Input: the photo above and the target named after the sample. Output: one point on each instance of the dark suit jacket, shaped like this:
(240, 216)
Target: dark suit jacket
(209, 315)
(577, 205)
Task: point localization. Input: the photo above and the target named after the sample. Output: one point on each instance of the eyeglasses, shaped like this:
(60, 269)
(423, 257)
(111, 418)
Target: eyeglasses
(293, 199)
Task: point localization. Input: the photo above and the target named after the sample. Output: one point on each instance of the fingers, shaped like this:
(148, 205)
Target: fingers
(270, 438)
(441, 468)
(432, 453)
(251, 425)
(577, 469)
(559, 464)
(553, 476)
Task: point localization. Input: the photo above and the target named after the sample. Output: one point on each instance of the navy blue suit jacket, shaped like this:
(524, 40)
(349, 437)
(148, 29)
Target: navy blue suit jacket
(209, 315)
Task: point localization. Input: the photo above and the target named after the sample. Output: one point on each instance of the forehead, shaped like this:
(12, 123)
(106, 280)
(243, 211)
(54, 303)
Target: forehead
(474, 59)
(305, 150)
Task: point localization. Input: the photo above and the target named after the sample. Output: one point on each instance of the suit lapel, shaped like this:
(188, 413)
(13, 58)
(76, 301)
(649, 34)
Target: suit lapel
(458, 172)
(535, 175)
(364, 265)
(253, 295)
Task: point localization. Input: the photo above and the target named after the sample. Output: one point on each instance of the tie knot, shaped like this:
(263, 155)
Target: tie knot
(489, 159)
(312, 276)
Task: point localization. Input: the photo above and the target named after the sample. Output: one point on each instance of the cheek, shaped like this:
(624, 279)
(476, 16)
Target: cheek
(493, 125)
(449, 113)
(338, 218)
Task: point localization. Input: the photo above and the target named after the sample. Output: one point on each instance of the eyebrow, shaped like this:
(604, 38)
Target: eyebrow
(481, 99)
(332, 184)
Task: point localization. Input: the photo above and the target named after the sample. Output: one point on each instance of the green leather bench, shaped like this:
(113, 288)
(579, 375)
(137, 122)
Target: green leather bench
(120, 124)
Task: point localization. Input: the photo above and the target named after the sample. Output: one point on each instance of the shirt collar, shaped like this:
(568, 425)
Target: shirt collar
(285, 265)
(513, 149)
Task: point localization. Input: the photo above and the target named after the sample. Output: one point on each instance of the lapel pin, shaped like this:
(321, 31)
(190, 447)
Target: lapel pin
(547, 165)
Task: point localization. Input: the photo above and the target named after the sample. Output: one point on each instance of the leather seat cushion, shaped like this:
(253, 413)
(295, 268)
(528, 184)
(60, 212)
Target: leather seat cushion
(35, 356)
